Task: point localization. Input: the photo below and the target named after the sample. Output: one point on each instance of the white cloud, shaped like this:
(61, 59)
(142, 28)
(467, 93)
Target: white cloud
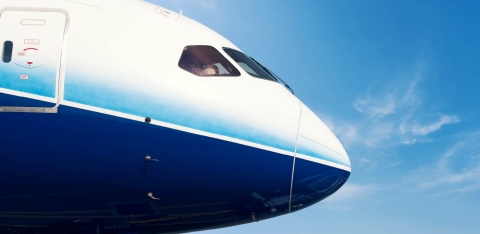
(396, 98)
(375, 108)
(391, 117)
(349, 192)
(474, 157)
(347, 132)
(453, 172)
(411, 132)
(429, 128)
(364, 161)
(452, 178)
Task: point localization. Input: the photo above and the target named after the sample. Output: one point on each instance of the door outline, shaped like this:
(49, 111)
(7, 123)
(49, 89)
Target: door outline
(61, 69)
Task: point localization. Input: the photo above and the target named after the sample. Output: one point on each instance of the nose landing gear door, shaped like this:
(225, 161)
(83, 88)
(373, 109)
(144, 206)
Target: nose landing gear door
(32, 42)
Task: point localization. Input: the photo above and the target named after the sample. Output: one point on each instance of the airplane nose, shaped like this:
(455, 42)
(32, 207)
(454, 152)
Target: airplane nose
(321, 164)
(316, 142)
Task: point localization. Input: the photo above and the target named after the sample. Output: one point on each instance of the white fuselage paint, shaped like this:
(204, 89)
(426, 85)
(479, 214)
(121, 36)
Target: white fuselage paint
(121, 58)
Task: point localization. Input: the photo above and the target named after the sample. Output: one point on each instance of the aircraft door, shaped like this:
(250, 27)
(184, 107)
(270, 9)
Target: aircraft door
(33, 42)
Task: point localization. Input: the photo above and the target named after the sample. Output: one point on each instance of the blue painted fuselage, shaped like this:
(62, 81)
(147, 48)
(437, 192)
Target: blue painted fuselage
(77, 170)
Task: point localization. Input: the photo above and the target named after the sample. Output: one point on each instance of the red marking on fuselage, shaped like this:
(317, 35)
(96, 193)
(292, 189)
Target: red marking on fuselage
(29, 63)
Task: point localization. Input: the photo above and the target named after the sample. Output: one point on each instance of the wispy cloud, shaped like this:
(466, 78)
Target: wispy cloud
(411, 131)
(375, 108)
(454, 171)
(394, 98)
(347, 196)
(423, 130)
(350, 192)
(391, 116)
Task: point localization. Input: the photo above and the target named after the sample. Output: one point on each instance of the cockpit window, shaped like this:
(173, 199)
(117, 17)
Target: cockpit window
(206, 61)
(249, 65)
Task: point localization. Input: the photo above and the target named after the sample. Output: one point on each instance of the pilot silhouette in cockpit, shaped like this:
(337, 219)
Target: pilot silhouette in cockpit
(210, 70)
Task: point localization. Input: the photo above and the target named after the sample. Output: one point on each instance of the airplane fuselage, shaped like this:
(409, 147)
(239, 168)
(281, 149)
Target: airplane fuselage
(111, 121)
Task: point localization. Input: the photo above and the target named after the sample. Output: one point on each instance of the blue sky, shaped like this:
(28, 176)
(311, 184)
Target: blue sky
(397, 82)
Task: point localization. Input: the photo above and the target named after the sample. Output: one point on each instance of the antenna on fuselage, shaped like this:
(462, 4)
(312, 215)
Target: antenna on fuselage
(181, 12)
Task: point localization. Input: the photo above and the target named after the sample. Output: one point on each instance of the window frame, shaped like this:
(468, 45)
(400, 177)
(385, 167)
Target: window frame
(266, 71)
(234, 73)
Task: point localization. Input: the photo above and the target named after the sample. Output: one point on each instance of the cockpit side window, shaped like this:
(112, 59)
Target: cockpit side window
(249, 65)
(206, 61)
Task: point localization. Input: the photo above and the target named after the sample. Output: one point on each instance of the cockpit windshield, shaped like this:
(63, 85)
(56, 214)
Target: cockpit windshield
(206, 61)
(254, 68)
(249, 65)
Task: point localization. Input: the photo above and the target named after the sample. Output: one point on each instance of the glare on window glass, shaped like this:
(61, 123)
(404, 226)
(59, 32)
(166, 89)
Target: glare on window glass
(206, 61)
(248, 65)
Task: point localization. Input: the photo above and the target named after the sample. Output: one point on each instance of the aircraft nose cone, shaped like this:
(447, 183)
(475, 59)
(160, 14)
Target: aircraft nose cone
(321, 167)
(316, 142)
